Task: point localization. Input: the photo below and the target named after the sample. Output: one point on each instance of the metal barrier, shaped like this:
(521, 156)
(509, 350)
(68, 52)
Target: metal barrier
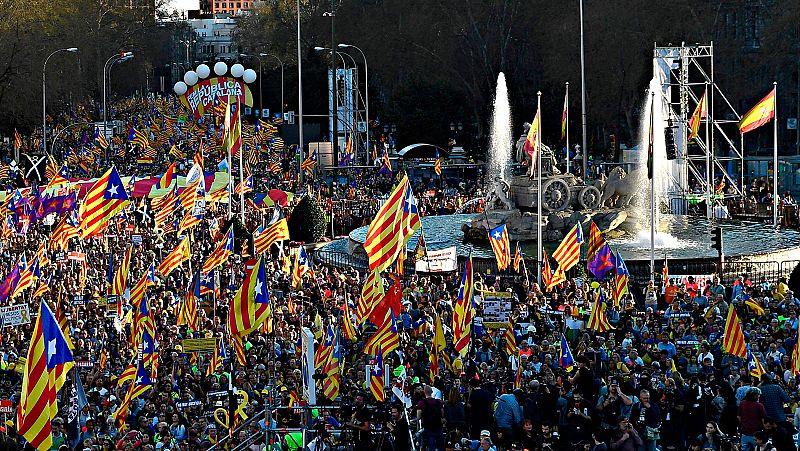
(639, 271)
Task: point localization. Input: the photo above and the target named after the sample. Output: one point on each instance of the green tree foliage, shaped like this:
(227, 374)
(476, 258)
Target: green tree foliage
(307, 222)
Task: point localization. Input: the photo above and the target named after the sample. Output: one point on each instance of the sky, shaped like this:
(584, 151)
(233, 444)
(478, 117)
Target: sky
(182, 4)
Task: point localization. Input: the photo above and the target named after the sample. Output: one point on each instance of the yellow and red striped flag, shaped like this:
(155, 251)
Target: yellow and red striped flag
(302, 266)
(142, 383)
(221, 254)
(531, 146)
(371, 294)
(138, 290)
(105, 199)
(187, 315)
(517, 259)
(753, 305)
(48, 355)
(348, 331)
(547, 273)
(796, 358)
(759, 115)
(595, 241)
(597, 319)
(17, 140)
(510, 339)
(41, 254)
(437, 167)
(463, 311)
(392, 227)
(438, 341)
(386, 338)
(250, 305)
(558, 277)
(64, 231)
(733, 336)
(700, 112)
(233, 127)
(121, 277)
(754, 366)
(278, 231)
(376, 378)
(569, 251)
(498, 238)
(217, 358)
(180, 254)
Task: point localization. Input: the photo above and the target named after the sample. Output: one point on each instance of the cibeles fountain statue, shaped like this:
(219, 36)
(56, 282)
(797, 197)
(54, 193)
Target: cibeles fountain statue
(566, 198)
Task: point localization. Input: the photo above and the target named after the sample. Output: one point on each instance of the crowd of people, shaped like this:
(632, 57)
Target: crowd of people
(541, 379)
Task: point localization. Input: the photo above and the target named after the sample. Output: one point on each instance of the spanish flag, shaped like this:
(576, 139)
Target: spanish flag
(759, 115)
(701, 112)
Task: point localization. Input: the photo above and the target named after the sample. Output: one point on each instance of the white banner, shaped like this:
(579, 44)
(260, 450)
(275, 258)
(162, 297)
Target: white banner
(15, 315)
(443, 260)
(309, 387)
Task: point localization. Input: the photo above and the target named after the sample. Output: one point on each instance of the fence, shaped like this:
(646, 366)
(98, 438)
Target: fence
(639, 271)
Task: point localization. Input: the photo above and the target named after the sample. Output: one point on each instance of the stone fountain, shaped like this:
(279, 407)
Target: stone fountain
(566, 198)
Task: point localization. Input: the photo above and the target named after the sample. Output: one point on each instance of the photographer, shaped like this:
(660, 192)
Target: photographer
(647, 416)
(610, 404)
(625, 437)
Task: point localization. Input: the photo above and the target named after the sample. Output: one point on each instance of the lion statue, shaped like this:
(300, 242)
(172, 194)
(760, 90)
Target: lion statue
(499, 196)
(620, 188)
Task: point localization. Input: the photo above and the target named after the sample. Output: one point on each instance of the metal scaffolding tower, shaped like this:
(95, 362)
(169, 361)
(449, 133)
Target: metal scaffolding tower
(716, 153)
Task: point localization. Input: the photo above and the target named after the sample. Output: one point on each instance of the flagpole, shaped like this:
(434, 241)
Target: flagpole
(652, 192)
(775, 155)
(709, 151)
(566, 125)
(539, 190)
(241, 158)
(230, 171)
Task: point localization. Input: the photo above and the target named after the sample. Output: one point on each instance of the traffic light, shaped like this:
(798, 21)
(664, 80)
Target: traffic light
(716, 239)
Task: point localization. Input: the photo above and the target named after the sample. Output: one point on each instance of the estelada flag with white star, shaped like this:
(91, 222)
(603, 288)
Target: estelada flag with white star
(105, 199)
(250, 306)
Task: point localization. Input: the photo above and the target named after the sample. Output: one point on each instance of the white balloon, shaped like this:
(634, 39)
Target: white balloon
(180, 88)
(249, 76)
(203, 71)
(220, 68)
(237, 70)
(190, 77)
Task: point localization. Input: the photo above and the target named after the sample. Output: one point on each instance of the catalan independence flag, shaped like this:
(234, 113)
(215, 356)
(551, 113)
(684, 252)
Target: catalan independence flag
(759, 115)
(233, 127)
(569, 251)
(463, 311)
(250, 305)
(498, 238)
(221, 254)
(733, 336)
(48, 355)
(99, 139)
(278, 231)
(565, 359)
(105, 199)
(392, 226)
(302, 266)
(437, 167)
(376, 379)
(385, 340)
(597, 319)
(180, 254)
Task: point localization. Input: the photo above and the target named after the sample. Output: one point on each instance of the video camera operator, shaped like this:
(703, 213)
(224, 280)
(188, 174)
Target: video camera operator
(399, 430)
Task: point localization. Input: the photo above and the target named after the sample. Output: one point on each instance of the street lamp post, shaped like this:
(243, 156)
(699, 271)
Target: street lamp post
(299, 90)
(124, 56)
(44, 94)
(187, 43)
(583, 101)
(60, 132)
(281, 63)
(366, 92)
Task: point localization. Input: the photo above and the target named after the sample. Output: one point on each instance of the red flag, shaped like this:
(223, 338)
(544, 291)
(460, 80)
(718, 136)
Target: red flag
(393, 299)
